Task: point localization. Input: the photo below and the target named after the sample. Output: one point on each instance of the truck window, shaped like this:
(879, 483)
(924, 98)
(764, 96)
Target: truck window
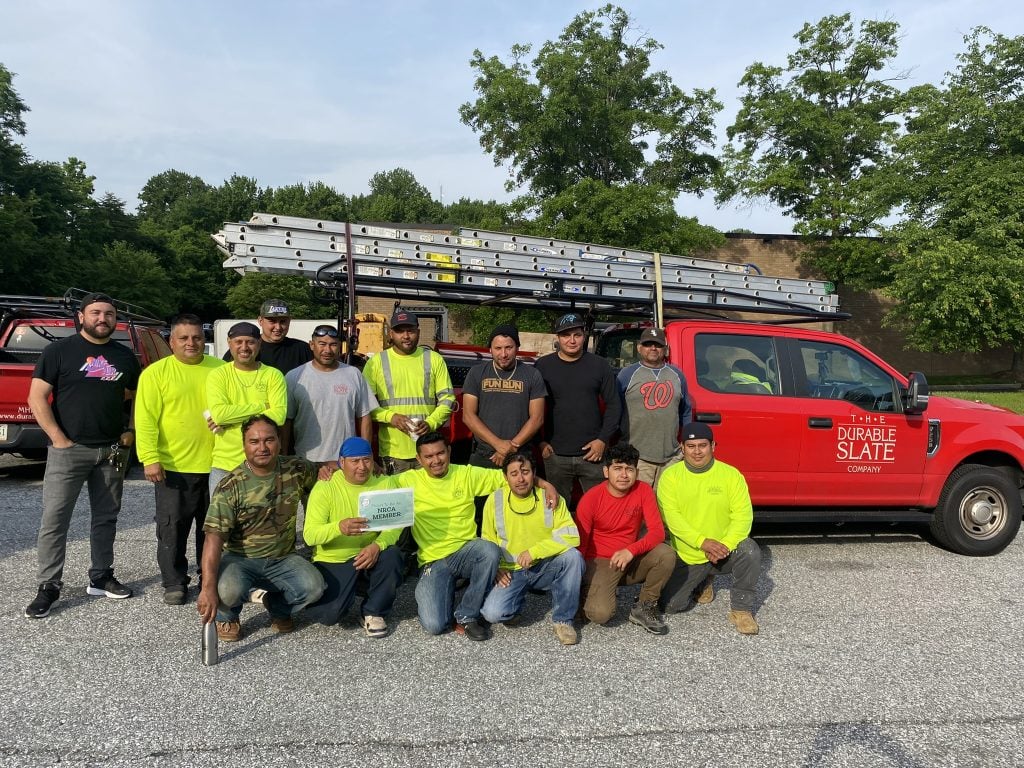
(619, 347)
(836, 372)
(736, 363)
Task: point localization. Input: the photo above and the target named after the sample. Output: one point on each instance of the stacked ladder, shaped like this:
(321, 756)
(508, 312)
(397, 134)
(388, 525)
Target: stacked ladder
(480, 267)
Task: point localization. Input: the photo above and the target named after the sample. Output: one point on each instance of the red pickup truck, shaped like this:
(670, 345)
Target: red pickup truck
(27, 325)
(823, 429)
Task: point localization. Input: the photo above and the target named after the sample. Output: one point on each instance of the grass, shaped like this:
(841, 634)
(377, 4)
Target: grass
(1012, 400)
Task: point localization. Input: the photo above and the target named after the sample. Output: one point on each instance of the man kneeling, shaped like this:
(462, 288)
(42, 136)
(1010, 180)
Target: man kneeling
(609, 517)
(250, 536)
(538, 550)
(345, 552)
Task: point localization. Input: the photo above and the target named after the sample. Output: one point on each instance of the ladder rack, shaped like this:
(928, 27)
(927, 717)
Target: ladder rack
(482, 267)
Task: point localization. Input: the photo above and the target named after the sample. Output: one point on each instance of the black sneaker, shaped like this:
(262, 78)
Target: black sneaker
(474, 630)
(108, 587)
(646, 616)
(40, 607)
(174, 596)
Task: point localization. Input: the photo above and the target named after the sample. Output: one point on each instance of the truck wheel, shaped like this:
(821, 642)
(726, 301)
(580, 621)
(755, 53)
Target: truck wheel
(979, 511)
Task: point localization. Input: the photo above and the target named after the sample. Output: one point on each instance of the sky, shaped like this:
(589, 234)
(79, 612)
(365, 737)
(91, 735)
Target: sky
(337, 91)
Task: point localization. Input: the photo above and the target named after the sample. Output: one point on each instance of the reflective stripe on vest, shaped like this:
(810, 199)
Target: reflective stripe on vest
(389, 386)
(549, 520)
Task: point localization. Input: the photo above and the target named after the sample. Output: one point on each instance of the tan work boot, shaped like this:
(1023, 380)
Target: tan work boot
(707, 591)
(229, 631)
(566, 634)
(282, 626)
(744, 621)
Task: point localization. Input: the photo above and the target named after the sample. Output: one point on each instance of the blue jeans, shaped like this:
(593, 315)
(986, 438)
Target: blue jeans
(291, 582)
(560, 575)
(382, 582)
(477, 560)
(67, 470)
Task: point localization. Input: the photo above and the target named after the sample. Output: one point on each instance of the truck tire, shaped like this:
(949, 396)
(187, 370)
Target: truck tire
(979, 511)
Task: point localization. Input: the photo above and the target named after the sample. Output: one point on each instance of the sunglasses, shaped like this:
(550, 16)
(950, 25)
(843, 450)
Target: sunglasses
(325, 331)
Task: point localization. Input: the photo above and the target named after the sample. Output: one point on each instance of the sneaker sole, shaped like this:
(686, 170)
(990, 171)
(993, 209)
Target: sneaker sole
(661, 631)
(175, 598)
(97, 592)
(42, 615)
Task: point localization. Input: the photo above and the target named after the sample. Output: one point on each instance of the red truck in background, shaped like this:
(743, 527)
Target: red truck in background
(27, 325)
(823, 429)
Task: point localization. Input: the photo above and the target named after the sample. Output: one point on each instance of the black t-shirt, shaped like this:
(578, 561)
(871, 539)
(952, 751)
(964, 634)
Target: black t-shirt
(89, 381)
(288, 354)
(575, 392)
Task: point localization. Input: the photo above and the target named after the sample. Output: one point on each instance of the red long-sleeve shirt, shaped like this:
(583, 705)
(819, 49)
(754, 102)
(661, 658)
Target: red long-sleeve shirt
(609, 523)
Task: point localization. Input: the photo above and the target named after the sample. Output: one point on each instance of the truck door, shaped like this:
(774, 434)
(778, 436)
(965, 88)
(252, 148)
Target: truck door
(739, 393)
(858, 447)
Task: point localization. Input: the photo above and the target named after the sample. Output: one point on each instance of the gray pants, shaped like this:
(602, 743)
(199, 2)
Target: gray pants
(744, 564)
(562, 471)
(67, 470)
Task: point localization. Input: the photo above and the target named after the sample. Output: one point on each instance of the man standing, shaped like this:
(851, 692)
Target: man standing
(445, 530)
(502, 401)
(328, 401)
(707, 510)
(235, 392)
(609, 519)
(414, 391)
(175, 447)
(538, 550)
(277, 349)
(344, 551)
(90, 378)
(250, 536)
(578, 432)
(655, 406)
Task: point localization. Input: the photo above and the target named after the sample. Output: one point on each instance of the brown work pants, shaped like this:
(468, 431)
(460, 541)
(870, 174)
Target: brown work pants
(601, 581)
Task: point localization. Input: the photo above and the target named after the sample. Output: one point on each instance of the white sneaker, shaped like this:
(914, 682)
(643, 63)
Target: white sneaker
(256, 595)
(375, 626)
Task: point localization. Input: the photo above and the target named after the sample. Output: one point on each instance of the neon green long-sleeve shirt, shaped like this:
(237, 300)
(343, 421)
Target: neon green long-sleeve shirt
(170, 428)
(543, 532)
(332, 502)
(232, 396)
(445, 513)
(695, 506)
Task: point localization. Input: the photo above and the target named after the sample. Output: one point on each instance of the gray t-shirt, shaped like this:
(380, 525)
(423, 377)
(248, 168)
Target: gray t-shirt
(503, 398)
(656, 406)
(324, 406)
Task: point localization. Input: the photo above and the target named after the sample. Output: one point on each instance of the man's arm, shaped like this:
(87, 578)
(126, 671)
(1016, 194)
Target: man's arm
(208, 598)
(39, 401)
(277, 395)
(652, 518)
(287, 433)
(364, 428)
(148, 409)
(444, 393)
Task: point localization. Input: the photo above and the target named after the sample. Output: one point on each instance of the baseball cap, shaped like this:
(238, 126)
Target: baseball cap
(243, 329)
(697, 430)
(274, 308)
(570, 321)
(355, 447)
(505, 330)
(401, 317)
(653, 334)
(94, 298)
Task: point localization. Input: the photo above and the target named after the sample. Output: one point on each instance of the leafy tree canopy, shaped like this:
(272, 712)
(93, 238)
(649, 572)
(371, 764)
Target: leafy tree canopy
(589, 107)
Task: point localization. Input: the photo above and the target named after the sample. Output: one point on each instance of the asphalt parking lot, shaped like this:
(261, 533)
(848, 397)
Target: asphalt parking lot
(876, 649)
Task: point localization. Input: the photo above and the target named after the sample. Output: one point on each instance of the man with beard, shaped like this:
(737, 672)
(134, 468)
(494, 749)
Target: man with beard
(175, 447)
(412, 386)
(328, 401)
(90, 378)
(237, 391)
(502, 401)
(250, 536)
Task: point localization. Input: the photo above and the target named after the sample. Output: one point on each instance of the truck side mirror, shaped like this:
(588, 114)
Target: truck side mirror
(915, 399)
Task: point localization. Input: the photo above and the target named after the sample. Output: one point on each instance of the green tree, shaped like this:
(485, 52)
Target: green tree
(397, 196)
(960, 275)
(589, 107)
(135, 276)
(246, 297)
(813, 136)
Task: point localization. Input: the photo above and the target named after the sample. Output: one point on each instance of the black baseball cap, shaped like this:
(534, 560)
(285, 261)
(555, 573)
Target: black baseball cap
(243, 329)
(401, 317)
(655, 335)
(94, 298)
(570, 321)
(274, 308)
(697, 430)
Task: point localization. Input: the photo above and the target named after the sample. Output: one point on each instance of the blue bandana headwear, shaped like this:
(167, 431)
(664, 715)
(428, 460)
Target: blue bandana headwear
(355, 446)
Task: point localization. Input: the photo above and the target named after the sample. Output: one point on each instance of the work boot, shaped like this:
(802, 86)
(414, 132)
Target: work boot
(566, 634)
(707, 591)
(646, 615)
(744, 622)
(229, 631)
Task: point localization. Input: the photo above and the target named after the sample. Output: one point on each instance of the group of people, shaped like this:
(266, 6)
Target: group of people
(235, 446)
